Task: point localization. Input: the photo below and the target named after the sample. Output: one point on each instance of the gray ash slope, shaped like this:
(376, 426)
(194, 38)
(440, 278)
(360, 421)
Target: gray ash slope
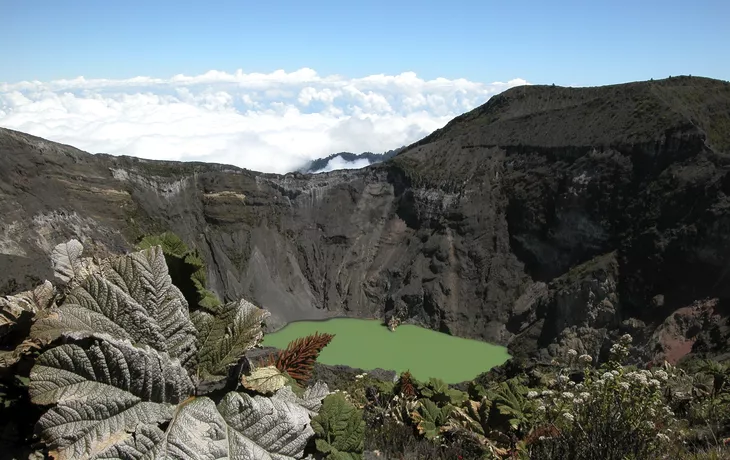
(547, 218)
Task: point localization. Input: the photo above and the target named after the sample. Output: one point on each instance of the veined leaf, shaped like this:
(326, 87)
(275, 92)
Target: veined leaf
(241, 428)
(132, 299)
(225, 338)
(311, 400)
(12, 307)
(430, 418)
(143, 445)
(438, 391)
(511, 401)
(66, 260)
(265, 380)
(80, 430)
(71, 372)
(144, 276)
(473, 420)
(473, 417)
(186, 267)
(435, 386)
(339, 428)
(69, 267)
(104, 392)
(99, 308)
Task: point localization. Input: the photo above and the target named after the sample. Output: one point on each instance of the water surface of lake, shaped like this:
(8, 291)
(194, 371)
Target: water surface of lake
(367, 344)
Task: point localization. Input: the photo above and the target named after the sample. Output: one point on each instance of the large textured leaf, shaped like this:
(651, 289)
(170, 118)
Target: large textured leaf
(510, 399)
(16, 310)
(71, 372)
(100, 308)
(69, 267)
(430, 418)
(131, 299)
(65, 259)
(225, 338)
(142, 445)
(240, 428)
(81, 430)
(435, 386)
(473, 421)
(473, 417)
(311, 400)
(144, 276)
(104, 392)
(10, 357)
(438, 391)
(339, 428)
(265, 380)
(28, 302)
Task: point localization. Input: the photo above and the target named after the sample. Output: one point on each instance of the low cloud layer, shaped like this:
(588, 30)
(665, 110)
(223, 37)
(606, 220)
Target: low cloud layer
(267, 122)
(340, 163)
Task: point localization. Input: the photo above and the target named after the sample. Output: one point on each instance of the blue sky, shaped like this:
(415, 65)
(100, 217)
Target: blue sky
(567, 42)
(270, 85)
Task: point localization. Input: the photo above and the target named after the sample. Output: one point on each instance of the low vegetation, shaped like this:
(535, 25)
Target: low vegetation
(111, 360)
(571, 409)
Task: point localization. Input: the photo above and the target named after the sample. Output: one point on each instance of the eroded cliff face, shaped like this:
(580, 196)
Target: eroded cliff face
(547, 218)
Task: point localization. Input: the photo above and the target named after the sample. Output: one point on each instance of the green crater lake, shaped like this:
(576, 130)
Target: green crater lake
(367, 344)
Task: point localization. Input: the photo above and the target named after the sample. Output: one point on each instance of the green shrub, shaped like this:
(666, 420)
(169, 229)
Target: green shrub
(439, 392)
(339, 429)
(510, 401)
(614, 413)
(430, 418)
(702, 398)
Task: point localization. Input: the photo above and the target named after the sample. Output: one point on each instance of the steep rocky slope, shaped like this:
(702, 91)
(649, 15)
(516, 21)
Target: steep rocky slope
(547, 217)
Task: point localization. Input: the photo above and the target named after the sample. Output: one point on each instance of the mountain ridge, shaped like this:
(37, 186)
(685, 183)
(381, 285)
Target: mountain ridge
(546, 218)
(319, 165)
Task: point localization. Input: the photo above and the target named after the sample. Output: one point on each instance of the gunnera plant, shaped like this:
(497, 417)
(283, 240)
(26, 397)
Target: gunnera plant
(186, 268)
(127, 372)
(339, 429)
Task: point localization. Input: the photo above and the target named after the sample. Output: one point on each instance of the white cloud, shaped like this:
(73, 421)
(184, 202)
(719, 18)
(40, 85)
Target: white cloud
(272, 122)
(340, 163)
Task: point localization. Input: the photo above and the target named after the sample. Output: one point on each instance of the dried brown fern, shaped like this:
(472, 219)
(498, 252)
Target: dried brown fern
(405, 385)
(298, 358)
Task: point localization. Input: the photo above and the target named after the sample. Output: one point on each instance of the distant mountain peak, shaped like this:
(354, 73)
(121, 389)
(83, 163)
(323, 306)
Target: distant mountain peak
(347, 160)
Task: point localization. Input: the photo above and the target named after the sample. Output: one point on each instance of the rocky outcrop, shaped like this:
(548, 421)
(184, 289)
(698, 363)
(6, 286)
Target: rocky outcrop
(548, 217)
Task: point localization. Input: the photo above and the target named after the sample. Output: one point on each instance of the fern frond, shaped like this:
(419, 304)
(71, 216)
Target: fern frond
(298, 358)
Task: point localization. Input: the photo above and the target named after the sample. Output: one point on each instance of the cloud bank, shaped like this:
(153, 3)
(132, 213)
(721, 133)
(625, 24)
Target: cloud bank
(340, 163)
(272, 122)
